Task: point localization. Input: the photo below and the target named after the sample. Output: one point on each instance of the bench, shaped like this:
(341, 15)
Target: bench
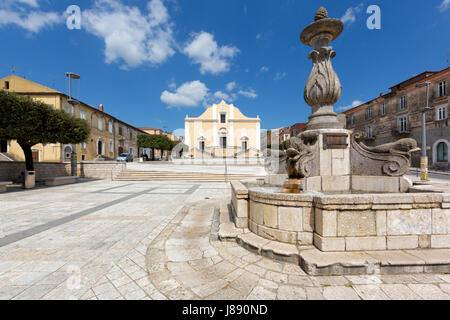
(59, 181)
(3, 185)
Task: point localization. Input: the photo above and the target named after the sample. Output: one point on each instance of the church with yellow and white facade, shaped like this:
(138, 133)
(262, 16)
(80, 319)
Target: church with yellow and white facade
(222, 131)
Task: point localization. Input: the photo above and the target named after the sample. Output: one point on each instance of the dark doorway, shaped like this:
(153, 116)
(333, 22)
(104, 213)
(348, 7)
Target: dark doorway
(100, 148)
(3, 146)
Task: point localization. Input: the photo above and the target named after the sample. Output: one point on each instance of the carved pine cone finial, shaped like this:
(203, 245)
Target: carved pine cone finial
(322, 13)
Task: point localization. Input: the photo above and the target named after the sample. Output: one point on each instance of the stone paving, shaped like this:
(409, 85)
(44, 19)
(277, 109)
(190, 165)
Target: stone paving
(118, 240)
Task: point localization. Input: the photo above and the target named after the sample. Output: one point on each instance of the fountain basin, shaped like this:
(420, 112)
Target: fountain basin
(343, 222)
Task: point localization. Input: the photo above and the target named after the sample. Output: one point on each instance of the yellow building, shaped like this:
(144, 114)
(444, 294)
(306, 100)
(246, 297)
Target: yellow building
(109, 136)
(223, 131)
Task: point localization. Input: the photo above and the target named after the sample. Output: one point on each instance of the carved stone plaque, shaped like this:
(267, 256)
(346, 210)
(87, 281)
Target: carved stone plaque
(335, 141)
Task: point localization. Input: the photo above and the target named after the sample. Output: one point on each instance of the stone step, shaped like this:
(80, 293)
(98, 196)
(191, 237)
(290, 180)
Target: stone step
(315, 262)
(133, 175)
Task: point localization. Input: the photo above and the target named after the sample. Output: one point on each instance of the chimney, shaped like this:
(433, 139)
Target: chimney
(100, 107)
(381, 94)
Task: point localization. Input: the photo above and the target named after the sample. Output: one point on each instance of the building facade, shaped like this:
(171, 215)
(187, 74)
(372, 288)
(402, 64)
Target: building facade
(109, 136)
(398, 114)
(222, 131)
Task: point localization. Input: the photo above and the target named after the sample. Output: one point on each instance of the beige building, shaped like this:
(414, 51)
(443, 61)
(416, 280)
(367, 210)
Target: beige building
(109, 136)
(223, 131)
(398, 114)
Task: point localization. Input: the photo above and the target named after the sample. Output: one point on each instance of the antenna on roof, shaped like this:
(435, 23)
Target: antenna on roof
(448, 59)
(13, 69)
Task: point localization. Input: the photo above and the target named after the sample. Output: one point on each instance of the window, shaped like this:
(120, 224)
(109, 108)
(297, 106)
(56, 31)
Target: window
(383, 109)
(403, 103)
(83, 114)
(223, 118)
(100, 124)
(223, 142)
(121, 131)
(244, 145)
(442, 152)
(131, 151)
(83, 157)
(369, 113)
(83, 145)
(110, 126)
(441, 113)
(442, 89)
(202, 146)
(352, 119)
(67, 108)
(7, 85)
(369, 132)
(111, 149)
(402, 124)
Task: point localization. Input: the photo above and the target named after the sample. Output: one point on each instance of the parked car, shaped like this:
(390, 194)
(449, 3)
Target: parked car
(125, 157)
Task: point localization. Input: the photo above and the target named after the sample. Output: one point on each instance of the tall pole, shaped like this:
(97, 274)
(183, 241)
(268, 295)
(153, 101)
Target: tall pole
(72, 102)
(424, 158)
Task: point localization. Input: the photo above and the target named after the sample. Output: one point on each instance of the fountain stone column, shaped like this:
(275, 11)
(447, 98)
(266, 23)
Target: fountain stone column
(323, 88)
(330, 168)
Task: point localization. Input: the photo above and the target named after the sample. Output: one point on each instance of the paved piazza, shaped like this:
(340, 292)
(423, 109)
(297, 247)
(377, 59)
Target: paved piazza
(135, 240)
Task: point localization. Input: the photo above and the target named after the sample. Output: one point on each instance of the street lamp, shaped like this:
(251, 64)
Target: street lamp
(71, 76)
(72, 102)
(424, 158)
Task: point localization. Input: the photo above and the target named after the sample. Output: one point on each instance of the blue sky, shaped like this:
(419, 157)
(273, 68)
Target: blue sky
(152, 62)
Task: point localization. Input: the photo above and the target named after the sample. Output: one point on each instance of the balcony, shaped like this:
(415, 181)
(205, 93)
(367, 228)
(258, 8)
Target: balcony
(399, 133)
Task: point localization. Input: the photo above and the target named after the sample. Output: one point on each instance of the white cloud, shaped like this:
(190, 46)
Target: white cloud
(259, 36)
(250, 93)
(444, 5)
(32, 3)
(350, 15)
(129, 34)
(196, 93)
(190, 94)
(264, 69)
(280, 75)
(354, 104)
(222, 96)
(231, 85)
(203, 50)
(14, 12)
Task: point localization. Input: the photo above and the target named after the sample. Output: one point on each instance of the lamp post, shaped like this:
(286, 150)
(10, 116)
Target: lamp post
(72, 102)
(424, 157)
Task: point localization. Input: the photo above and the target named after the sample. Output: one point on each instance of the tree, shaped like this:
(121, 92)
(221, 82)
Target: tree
(31, 122)
(155, 142)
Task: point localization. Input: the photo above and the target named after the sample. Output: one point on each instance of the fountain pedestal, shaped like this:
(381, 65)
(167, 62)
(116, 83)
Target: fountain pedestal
(332, 169)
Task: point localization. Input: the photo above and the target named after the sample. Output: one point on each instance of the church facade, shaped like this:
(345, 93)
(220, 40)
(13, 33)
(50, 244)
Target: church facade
(222, 131)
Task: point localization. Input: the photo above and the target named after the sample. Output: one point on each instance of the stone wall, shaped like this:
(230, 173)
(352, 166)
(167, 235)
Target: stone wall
(100, 170)
(347, 222)
(282, 217)
(382, 222)
(12, 170)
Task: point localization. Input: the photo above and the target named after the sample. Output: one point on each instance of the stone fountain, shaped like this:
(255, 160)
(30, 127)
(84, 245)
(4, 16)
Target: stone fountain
(331, 191)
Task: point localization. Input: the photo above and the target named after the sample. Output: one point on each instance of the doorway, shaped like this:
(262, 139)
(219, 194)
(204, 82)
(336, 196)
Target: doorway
(100, 147)
(3, 146)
